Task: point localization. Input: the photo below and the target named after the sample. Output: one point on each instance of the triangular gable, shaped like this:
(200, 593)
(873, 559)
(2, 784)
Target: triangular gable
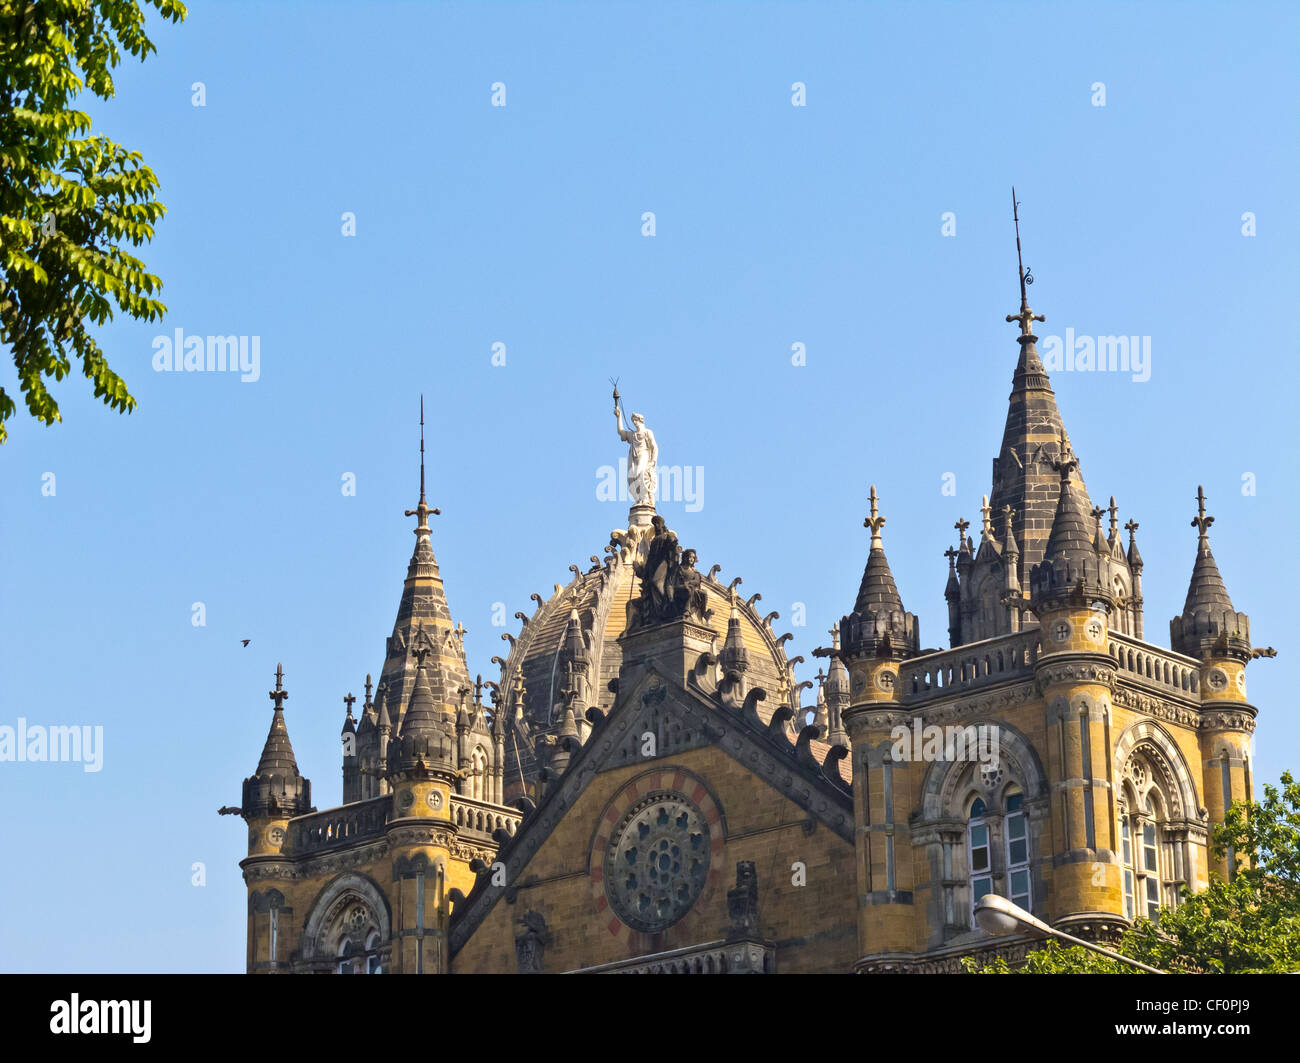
(681, 719)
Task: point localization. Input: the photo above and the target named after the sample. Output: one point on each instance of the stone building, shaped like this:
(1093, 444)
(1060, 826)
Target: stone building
(647, 789)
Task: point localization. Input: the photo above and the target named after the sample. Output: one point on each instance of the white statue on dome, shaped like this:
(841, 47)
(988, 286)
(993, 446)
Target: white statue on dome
(642, 458)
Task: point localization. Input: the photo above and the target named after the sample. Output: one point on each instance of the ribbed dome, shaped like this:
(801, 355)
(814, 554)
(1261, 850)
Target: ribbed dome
(536, 663)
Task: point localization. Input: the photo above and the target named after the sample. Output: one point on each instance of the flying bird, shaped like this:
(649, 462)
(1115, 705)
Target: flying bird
(245, 642)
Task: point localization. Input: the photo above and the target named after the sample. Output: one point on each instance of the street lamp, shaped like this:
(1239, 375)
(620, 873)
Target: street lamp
(998, 916)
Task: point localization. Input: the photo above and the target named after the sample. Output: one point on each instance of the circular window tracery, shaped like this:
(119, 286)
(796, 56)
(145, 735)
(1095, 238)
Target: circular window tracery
(657, 862)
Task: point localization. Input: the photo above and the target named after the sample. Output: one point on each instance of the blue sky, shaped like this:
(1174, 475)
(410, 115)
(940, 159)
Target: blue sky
(522, 225)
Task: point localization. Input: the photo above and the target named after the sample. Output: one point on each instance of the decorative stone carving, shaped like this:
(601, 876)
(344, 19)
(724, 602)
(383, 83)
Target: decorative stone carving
(742, 903)
(530, 943)
(671, 587)
(657, 862)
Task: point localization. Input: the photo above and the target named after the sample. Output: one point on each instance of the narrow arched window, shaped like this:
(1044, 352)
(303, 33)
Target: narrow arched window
(1151, 860)
(981, 869)
(1140, 850)
(1126, 852)
(1017, 831)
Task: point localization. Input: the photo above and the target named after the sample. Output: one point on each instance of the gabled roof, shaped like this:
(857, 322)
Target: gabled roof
(764, 749)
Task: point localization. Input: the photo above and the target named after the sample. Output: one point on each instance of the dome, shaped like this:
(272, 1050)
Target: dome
(533, 673)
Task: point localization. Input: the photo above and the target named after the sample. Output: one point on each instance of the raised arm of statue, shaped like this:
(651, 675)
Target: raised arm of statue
(623, 433)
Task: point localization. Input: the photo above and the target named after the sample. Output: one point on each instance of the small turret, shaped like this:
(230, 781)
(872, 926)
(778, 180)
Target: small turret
(733, 659)
(427, 742)
(1209, 625)
(879, 626)
(1077, 568)
(276, 790)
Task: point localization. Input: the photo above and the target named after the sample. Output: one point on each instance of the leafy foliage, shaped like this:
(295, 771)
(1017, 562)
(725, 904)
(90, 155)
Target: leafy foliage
(70, 202)
(1248, 925)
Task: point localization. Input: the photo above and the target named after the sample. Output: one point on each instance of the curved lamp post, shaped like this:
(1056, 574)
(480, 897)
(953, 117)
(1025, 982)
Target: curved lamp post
(998, 916)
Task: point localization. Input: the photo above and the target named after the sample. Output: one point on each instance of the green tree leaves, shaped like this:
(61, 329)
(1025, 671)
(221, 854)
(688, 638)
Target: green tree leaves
(71, 203)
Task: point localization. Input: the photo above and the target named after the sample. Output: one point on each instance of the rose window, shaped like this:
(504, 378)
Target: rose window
(657, 862)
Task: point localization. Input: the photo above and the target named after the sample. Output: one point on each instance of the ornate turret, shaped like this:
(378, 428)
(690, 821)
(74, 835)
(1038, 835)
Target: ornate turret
(423, 611)
(879, 626)
(837, 693)
(277, 789)
(733, 659)
(1077, 567)
(1022, 471)
(1209, 625)
(427, 743)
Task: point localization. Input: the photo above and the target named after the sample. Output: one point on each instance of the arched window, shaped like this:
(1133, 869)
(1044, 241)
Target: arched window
(1126, 852)
(1017, 831)
(1140, 850)
(981, 866)
(359, 943)
(1151, 860)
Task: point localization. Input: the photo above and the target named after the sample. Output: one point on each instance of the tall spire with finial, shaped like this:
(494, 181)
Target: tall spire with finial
(422, 510)
(423, 614)
(1023, 476)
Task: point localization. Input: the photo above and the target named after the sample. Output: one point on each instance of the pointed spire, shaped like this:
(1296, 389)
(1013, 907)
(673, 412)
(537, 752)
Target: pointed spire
(734, 658)
(575, 645)
(1134, 558)
(1022, 476)
(1076, 555)
(952, 591)
(277, 753)
(1098, 540)
(1029, 361)
(277, 787)
(1010, 548)
(1209, 625)
(422, 510)
(877, 592)
(427, 727)
(349, 723)
(1071, 535)
(878, 621)
(1206, 591)
(423, 614)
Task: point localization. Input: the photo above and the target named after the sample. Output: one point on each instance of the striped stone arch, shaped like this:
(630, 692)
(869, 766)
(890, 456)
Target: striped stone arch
(667, 780)
(1019, 759)
(347, 888)
(1152, 741)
